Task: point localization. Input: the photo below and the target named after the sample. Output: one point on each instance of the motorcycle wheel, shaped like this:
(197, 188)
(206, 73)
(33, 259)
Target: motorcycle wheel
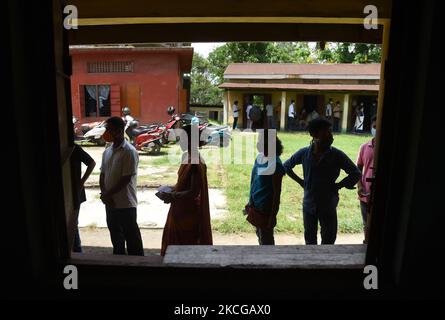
(156, 149)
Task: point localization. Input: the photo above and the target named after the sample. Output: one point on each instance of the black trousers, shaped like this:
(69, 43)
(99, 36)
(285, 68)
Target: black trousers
(328, 226)
(336, 125)
(124, 229)
(290, 124)
(235, 122)
(265, 236)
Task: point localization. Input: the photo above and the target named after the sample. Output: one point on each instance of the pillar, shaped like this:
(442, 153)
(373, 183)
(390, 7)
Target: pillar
(345, 114)
(283, 111)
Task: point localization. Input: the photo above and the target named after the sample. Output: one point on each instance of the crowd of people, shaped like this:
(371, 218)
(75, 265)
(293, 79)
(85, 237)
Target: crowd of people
(188, 220)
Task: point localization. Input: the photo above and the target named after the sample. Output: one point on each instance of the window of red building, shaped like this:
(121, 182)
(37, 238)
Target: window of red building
(97, 100)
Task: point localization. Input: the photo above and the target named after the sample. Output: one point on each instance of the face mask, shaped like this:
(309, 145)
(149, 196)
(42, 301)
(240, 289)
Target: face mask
(373, 132)
(107, 136)
(328, 143)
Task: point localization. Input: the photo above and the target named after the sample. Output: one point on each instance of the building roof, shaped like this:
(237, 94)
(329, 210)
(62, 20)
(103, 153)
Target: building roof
(300, 86)
(303, 71)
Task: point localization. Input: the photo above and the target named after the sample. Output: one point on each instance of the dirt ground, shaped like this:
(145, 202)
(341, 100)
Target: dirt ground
(97, 240)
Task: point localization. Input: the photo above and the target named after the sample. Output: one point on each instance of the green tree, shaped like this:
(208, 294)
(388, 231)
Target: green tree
(256, 52)
(355, 53)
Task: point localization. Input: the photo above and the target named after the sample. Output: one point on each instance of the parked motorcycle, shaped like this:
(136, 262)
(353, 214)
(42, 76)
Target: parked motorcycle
(89, 132)
(210, 134)
(147, 138)
(95, 134)
(217, 135)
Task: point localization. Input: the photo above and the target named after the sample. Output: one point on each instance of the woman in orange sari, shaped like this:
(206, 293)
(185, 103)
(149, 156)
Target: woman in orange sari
(188, 220)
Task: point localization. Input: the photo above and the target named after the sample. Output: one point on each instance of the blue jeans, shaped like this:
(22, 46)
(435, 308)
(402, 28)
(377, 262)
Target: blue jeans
(290, 123)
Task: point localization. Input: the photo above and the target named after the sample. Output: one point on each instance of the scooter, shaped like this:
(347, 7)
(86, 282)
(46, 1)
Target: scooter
(216, 135)
(89, 132)
(95, 134)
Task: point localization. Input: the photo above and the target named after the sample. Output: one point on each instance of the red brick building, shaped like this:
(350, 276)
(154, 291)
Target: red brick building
(146, 79)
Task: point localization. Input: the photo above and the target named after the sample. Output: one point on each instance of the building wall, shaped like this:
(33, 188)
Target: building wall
(155, 77)
(231, 97)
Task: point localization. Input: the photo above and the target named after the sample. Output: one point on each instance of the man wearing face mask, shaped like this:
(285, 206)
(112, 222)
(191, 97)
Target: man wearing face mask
(118, 174)
(365, 163)
(321, 167)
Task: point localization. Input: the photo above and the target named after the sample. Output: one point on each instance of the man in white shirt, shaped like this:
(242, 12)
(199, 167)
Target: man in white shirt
(291, 116)
(269, 113)
(235, 114)
(249, 121)
(118, 189)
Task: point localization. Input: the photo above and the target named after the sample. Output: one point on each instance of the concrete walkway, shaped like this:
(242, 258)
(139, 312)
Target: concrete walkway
(151, 213)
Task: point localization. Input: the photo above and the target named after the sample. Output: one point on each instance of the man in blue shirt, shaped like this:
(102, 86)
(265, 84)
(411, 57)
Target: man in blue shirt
(321, 168)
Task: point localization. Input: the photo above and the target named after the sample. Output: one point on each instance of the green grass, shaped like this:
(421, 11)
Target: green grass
(236, 185)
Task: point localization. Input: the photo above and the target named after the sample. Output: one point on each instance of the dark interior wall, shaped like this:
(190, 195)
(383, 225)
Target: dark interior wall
(424, 243)
(34, 226)
(407, 216)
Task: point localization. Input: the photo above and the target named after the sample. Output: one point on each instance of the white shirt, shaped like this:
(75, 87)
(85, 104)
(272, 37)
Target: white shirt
(291, 110)
(117, 163)
(249, 107)
(328, 110)
(235, 111)
(269, 109)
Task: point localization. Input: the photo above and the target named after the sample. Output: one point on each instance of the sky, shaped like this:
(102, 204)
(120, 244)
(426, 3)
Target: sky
(204, 48)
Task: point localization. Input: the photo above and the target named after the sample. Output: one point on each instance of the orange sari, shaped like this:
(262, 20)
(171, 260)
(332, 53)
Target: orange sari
(188, 220)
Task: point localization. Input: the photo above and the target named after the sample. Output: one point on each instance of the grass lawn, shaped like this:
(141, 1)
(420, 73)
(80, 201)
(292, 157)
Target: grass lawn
(236, 179)
(233, 176)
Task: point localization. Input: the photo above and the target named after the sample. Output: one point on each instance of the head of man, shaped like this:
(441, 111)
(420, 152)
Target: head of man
(321, 133)
(292, 101)
(115, 130)
(235, 102)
